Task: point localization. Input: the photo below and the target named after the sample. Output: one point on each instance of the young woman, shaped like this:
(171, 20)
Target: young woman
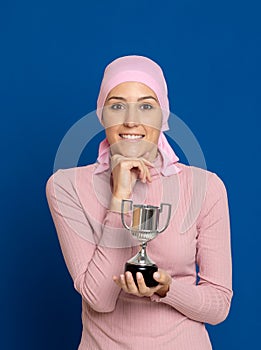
(135, 161)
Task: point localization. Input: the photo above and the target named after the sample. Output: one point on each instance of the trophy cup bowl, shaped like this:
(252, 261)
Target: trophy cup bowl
(144, 227)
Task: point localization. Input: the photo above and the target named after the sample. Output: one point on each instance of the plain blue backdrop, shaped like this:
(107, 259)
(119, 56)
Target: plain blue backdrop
(53, 54)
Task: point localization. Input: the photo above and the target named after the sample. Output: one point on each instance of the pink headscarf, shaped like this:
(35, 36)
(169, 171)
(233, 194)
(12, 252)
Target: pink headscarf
(144, 70)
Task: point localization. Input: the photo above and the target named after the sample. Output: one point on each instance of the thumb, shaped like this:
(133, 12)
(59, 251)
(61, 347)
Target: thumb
(162, 277)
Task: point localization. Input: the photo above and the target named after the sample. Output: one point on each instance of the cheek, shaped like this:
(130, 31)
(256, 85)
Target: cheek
(111, 134)
(153, 135)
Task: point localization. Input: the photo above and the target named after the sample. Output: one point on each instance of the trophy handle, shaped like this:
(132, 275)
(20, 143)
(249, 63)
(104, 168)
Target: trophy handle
(123, 210)
(168, 218)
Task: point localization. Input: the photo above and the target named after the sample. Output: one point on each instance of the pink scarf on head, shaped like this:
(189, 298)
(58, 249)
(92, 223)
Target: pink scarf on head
(144, 70)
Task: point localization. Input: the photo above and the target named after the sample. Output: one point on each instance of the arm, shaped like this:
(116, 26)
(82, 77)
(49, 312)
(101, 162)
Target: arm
(90, 264)
(209, 301)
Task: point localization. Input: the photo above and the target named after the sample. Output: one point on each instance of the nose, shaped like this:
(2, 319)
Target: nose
(131, 117)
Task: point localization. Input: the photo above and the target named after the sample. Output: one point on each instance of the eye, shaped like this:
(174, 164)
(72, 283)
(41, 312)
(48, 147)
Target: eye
(146, 106)
(117, 106)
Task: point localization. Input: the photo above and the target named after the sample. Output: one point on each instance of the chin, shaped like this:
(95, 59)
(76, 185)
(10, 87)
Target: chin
(135, 150)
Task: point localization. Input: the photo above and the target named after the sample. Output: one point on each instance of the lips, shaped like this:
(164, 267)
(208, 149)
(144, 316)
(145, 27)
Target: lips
(131, 136)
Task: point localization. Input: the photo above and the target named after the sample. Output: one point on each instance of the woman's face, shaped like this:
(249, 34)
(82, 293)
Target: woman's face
(132, 118)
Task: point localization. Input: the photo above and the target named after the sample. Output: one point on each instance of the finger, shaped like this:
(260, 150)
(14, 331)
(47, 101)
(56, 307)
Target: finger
(144, 173)
(143, 289)
(123, 283)
(131, 285)
(116, 280)
(148, 163)
(148, 176)
(115, 160)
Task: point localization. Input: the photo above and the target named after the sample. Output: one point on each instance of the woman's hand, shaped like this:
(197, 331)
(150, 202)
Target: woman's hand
(126, 282)
(125, 172)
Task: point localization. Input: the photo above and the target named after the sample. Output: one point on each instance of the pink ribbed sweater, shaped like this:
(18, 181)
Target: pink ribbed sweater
(96, 246)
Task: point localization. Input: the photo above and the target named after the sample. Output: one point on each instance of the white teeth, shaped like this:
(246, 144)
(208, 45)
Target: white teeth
(131, 137)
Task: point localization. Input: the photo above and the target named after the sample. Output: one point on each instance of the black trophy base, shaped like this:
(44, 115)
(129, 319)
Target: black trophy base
(147, 272)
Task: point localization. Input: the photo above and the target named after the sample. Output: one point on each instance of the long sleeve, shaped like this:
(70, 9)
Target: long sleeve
(209, 300)
(90, 264)
(95, 247)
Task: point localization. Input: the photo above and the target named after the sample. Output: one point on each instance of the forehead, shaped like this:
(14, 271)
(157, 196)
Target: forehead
(131, 89)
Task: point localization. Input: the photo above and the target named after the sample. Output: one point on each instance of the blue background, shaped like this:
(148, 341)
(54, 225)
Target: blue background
(52, 58)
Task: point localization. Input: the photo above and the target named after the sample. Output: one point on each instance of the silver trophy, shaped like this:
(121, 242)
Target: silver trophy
(144, 227)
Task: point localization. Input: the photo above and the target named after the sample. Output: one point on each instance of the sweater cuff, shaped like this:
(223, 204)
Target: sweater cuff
(184, 298)
(178, 296)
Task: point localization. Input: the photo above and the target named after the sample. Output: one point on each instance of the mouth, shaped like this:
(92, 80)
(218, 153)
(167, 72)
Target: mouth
(132, 136)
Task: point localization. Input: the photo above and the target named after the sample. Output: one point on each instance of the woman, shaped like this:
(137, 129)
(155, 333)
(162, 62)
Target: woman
(136, 161)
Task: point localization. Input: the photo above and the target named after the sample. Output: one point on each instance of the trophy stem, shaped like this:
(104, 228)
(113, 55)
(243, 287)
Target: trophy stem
(142, 252)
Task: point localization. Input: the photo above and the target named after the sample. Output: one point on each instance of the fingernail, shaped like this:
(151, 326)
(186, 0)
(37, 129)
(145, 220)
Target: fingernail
(156, 275)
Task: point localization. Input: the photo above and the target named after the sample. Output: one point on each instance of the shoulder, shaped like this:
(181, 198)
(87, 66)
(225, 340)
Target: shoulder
(67, 179)
(71, 173)
(202, 181)
(187, 171)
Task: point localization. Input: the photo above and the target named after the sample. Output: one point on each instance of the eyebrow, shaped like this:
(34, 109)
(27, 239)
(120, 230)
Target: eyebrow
(139, 99)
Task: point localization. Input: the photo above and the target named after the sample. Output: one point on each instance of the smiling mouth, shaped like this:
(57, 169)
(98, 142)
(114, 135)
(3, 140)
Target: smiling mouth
(131, 136)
